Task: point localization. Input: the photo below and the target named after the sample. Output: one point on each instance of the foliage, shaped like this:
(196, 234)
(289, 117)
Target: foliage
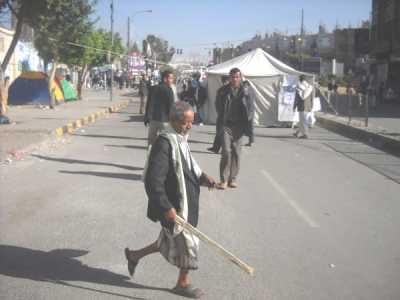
(93, 54)
(160, 48)
(26, 12)
(62, 22)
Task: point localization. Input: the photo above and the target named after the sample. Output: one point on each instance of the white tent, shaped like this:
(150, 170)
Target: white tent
(265, 74)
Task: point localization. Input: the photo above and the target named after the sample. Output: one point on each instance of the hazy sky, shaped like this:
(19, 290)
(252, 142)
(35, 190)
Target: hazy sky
(194, 25)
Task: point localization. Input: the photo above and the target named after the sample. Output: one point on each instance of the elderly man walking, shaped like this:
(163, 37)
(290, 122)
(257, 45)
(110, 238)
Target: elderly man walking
(172, 181)
(233, 111)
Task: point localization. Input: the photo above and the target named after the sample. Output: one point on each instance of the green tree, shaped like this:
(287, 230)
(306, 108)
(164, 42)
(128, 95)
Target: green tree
(91, 50)
(60, 23)
(160, 48)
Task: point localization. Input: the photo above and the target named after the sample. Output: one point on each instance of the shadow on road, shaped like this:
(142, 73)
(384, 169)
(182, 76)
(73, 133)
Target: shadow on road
(85, 162)
(199, 142)
(127, 146)
(111, 137)
(289, 136)
(201, 152)
(59, 266)
(125, 176)
(136, 118)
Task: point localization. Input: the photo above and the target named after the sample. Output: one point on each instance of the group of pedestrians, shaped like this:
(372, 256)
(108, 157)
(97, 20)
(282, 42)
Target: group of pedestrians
(196, 95)
(172, 177)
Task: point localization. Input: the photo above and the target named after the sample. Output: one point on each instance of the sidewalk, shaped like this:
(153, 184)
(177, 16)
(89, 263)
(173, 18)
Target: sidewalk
(383, 129)
(33, 125)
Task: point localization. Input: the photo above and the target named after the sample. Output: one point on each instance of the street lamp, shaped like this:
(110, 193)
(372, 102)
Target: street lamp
(300, 39)
(129, 23)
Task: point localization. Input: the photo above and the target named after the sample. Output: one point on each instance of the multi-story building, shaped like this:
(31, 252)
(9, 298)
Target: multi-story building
(385, 41)
(351, 44)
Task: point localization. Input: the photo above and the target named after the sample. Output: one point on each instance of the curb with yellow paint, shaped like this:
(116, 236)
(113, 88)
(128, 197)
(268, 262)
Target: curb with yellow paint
(71, 127)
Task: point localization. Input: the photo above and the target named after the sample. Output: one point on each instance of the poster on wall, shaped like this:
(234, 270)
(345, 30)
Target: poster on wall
(286, 98)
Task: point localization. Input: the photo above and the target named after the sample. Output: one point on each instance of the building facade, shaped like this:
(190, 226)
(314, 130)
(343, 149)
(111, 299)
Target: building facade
(6, 37)
(385, 42)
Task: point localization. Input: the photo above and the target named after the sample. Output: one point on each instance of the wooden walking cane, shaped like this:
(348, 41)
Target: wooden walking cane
(225, 253)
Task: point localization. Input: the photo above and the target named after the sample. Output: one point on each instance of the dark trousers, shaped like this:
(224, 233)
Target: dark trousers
(218, 137)
(250, 131)
(230, 156)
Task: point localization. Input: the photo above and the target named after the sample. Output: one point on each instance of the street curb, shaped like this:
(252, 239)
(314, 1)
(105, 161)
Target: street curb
(71, 127)
(366, 135)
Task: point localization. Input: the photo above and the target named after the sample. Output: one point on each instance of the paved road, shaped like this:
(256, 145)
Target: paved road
(318, 219)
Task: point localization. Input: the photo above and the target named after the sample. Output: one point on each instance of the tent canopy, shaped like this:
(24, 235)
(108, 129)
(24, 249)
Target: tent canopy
(265, 74)
(68, 90)
(256, 63)
(32, 87)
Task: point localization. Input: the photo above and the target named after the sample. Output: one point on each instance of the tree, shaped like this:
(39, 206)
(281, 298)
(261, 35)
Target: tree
(60, 23)
(26, 12)
(91, 50)
(160, 48)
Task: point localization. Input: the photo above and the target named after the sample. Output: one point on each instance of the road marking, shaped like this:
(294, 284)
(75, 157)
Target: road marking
(291, 202)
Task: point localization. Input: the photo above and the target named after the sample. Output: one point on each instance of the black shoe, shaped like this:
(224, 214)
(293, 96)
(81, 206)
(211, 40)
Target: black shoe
(212, 149)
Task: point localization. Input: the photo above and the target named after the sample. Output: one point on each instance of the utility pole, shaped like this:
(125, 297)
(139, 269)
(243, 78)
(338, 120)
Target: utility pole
(301, 39)
(112, 49)
(128, 44)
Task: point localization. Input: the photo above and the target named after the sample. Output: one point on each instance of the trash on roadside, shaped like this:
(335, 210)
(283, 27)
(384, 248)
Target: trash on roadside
(332, 266)
(14, 152)
(4, 120)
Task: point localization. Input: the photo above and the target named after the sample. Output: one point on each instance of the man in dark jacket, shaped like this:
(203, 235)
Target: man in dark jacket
(157, 111)
(197, 96)
(218, 125)
(233, 111)
(172, 180)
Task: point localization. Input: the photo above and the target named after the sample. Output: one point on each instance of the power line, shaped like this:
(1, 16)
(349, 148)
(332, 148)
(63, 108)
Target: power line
(213, 43)
(108, 51)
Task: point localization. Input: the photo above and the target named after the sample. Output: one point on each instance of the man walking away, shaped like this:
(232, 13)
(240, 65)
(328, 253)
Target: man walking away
(303, 103)
(162, 99)
(197, 96)
(233, 112)
(172, 180)
(143, 91)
